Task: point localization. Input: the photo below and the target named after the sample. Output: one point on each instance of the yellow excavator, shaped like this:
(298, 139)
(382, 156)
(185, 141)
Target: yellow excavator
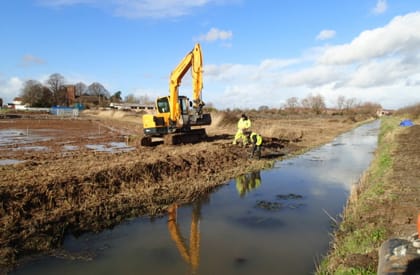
(176, 115)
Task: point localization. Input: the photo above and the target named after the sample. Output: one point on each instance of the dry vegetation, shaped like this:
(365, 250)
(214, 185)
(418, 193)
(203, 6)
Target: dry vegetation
(56, 191)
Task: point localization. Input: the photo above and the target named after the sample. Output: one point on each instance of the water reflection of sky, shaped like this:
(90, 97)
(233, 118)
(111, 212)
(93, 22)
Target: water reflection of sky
(339, 163)
(237, 235)
(17, 137)
(9, 161)
(20, 139)
(111, 147)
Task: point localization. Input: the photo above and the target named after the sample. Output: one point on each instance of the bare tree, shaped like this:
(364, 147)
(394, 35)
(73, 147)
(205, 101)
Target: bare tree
(36, 95)
(292, 103)
(315, 103)
(318, 104)
(340, 102)
(131, 99)
(145, 99)
(97, 89)
(80, 88)
(350, 103)
(263, 108)
(56, 84)
(305, 102)
(370, 108)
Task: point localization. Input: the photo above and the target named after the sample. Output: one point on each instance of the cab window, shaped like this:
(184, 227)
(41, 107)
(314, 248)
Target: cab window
(163, 105)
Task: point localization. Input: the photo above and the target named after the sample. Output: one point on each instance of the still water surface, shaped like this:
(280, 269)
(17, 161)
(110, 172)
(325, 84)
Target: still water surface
(275, 221)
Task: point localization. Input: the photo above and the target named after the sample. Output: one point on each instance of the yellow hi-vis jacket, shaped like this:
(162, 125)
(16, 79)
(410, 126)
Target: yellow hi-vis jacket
(256, 138)
(244, 124)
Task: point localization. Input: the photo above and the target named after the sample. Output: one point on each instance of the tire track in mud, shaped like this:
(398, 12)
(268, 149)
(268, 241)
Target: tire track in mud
(42, 200)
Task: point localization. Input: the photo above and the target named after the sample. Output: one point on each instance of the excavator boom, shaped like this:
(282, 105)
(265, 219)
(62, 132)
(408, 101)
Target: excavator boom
(193, 60)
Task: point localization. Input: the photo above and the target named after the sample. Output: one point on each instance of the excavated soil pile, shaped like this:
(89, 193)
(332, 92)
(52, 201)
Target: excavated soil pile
(64, 186)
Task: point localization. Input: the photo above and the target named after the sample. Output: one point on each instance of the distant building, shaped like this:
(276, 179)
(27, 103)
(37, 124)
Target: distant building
(70, 94)
(88, 100)
(137, 107)
(17, 104)
(84, 100)
(383, 112)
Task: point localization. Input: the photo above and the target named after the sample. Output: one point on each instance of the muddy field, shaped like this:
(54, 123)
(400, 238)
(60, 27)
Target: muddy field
(64, 175)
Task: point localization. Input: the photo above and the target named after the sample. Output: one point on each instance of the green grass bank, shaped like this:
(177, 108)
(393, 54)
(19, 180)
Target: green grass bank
(382, 205)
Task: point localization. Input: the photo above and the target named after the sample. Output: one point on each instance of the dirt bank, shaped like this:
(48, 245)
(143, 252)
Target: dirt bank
(62, 176)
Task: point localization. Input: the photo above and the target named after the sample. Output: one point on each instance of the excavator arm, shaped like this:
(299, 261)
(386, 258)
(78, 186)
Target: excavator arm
(191, 255)
(193, 60)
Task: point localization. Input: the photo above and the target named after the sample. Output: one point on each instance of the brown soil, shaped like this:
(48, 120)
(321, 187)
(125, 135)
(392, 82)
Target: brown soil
(63, 186)
(401, 205)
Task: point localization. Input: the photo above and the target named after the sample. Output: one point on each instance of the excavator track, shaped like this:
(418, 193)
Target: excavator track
(192, 136)
(146, 141)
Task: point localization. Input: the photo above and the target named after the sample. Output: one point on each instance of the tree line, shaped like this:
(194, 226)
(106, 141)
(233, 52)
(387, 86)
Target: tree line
(54, 92)
(316, 104)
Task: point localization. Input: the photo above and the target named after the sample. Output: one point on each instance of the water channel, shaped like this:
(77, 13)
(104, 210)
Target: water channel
(275, 221)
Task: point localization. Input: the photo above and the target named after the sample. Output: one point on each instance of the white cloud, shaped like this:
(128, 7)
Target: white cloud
(325, 34)
(381, 65)
(377, 73)
(10, 88)
(311, 77)
(381, 7)
(135, 9)
(400, 36)
(28, 60)
(215, 34)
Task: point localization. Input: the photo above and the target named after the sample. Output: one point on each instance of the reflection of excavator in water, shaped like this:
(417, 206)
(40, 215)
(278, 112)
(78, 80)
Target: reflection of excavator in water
(176, 115)
(191, 255)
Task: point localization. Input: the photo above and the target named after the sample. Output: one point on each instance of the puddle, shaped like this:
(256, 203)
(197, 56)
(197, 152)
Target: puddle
(31, 148)
(17, 137)
(9, 161)
(111, 147)
(70, 147)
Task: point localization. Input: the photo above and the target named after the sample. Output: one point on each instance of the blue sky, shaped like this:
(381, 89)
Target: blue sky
(256, 53)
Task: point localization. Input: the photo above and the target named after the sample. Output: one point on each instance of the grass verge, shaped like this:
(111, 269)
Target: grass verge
(358, 237)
